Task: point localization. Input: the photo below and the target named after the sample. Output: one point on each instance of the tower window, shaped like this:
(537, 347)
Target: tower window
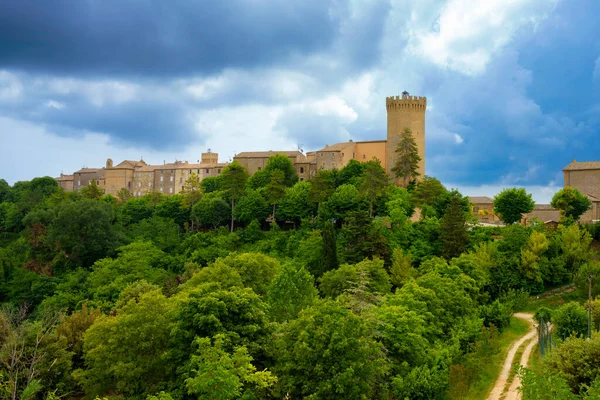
(301, 170)
(364, 156)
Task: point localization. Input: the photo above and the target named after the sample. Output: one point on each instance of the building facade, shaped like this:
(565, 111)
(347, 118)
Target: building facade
(585, 177)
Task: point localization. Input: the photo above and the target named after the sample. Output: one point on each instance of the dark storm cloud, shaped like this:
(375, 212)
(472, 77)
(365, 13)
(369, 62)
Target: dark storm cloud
(177, 37)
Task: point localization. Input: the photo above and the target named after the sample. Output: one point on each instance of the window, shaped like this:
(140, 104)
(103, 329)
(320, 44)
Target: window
(139, 184)
(353, 155)
(475, 209)
(364, 156)
(97, 182)
(219, 171)
(181, 180)
(182, 188)
(332, 165)
(170, 190)
(259, 168)
(198, 172)
(171, 172)
(139, 193)
(78, 183)
(161, 190)
(149, 184)
(301, 170)
(301, 179)
(171, 178)
(161, 178)
(149, 174)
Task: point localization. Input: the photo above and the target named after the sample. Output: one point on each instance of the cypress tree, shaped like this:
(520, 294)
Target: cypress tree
(330, 259)
(453, 229)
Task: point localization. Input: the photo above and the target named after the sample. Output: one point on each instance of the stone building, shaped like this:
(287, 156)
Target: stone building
(120, 176)
(65, 182)
(544, 213)
(482, 207)
(402, 112)
(84, 176)
(585, 177)
(405, 112)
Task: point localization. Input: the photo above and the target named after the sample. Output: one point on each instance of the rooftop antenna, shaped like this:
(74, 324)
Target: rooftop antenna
(300, 148)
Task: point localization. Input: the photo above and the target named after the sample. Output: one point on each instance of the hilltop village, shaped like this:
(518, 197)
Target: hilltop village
(404, 111)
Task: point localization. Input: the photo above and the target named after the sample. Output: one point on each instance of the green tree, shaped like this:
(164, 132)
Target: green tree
(217, 374)
(427, 191)
(374, 183)
(192, 190)
(511, 204)
(82, 231)
(296, 204)
(371, 272)
(570, 319)
(543, 386)
(351, 173)
(290, 292)
(453, 230)
(401, 270)
(571, 203)
(235, 177)
(250, 207)
(362, 239)
(212, 184)
(330, 258)
(275, 189)
(407, 160)
(123, 195)
(211, 211)
(282, 163)
(124, 353)
(328, 352)
(322, 185)
(92, 191)
(343, 201)
(588, 275)
(532, 255)
(256, 269)
(4, 191)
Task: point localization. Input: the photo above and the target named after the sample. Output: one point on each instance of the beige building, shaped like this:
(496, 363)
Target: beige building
(84, 176)
(65, 182)
(120, 176)
(402, 112)
(482, 207)
(544, 213)
(585, 177)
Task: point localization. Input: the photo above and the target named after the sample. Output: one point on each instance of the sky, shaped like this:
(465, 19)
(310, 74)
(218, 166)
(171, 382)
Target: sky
(513, 86)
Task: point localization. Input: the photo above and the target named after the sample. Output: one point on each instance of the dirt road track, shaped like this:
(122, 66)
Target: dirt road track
(512, 393)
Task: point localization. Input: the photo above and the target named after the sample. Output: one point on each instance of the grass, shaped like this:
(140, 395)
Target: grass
(535, 360)
(490, 369)
(553, 302)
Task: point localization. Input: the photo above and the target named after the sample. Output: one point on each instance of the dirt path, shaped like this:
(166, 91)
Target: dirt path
(500, 384)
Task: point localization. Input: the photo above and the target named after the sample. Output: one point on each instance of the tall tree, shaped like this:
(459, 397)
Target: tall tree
(453, 229)
(235, 177)
(92, 191)
(588, 274)
(427, 191)
(407, 158)
(275, 189)
(322, 185)
(571, 203)
(192, 190)
(511, 204)
(330, 258)
(374, 182)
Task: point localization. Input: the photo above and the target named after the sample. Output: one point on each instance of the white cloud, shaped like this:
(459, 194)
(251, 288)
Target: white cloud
(10, 87)
(466, 33)
(55, 104)
(458, 139)
(97, 92)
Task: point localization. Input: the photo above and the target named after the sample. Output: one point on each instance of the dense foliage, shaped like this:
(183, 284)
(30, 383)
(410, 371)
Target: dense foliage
(262, 288)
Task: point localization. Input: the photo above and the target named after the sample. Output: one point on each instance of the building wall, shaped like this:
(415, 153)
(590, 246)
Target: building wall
(117, 178)
(405, 112)
(330, 159)
(82, 178)
(143, 182)
(542, 214)
(490, 217)
(164, 179)
(365, 151)
(586, 181)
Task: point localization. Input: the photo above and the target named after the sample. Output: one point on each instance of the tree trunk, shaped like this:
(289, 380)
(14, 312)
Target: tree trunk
(232, 205)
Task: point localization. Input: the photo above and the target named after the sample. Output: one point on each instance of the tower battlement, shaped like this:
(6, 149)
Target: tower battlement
(406, 102)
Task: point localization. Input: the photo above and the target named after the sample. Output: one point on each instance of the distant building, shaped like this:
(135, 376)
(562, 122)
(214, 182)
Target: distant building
(65, 182)
(84, 176)
(585, 177)
(482, 207)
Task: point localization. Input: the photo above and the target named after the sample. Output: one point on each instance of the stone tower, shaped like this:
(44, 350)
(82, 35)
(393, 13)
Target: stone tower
(405, 112)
